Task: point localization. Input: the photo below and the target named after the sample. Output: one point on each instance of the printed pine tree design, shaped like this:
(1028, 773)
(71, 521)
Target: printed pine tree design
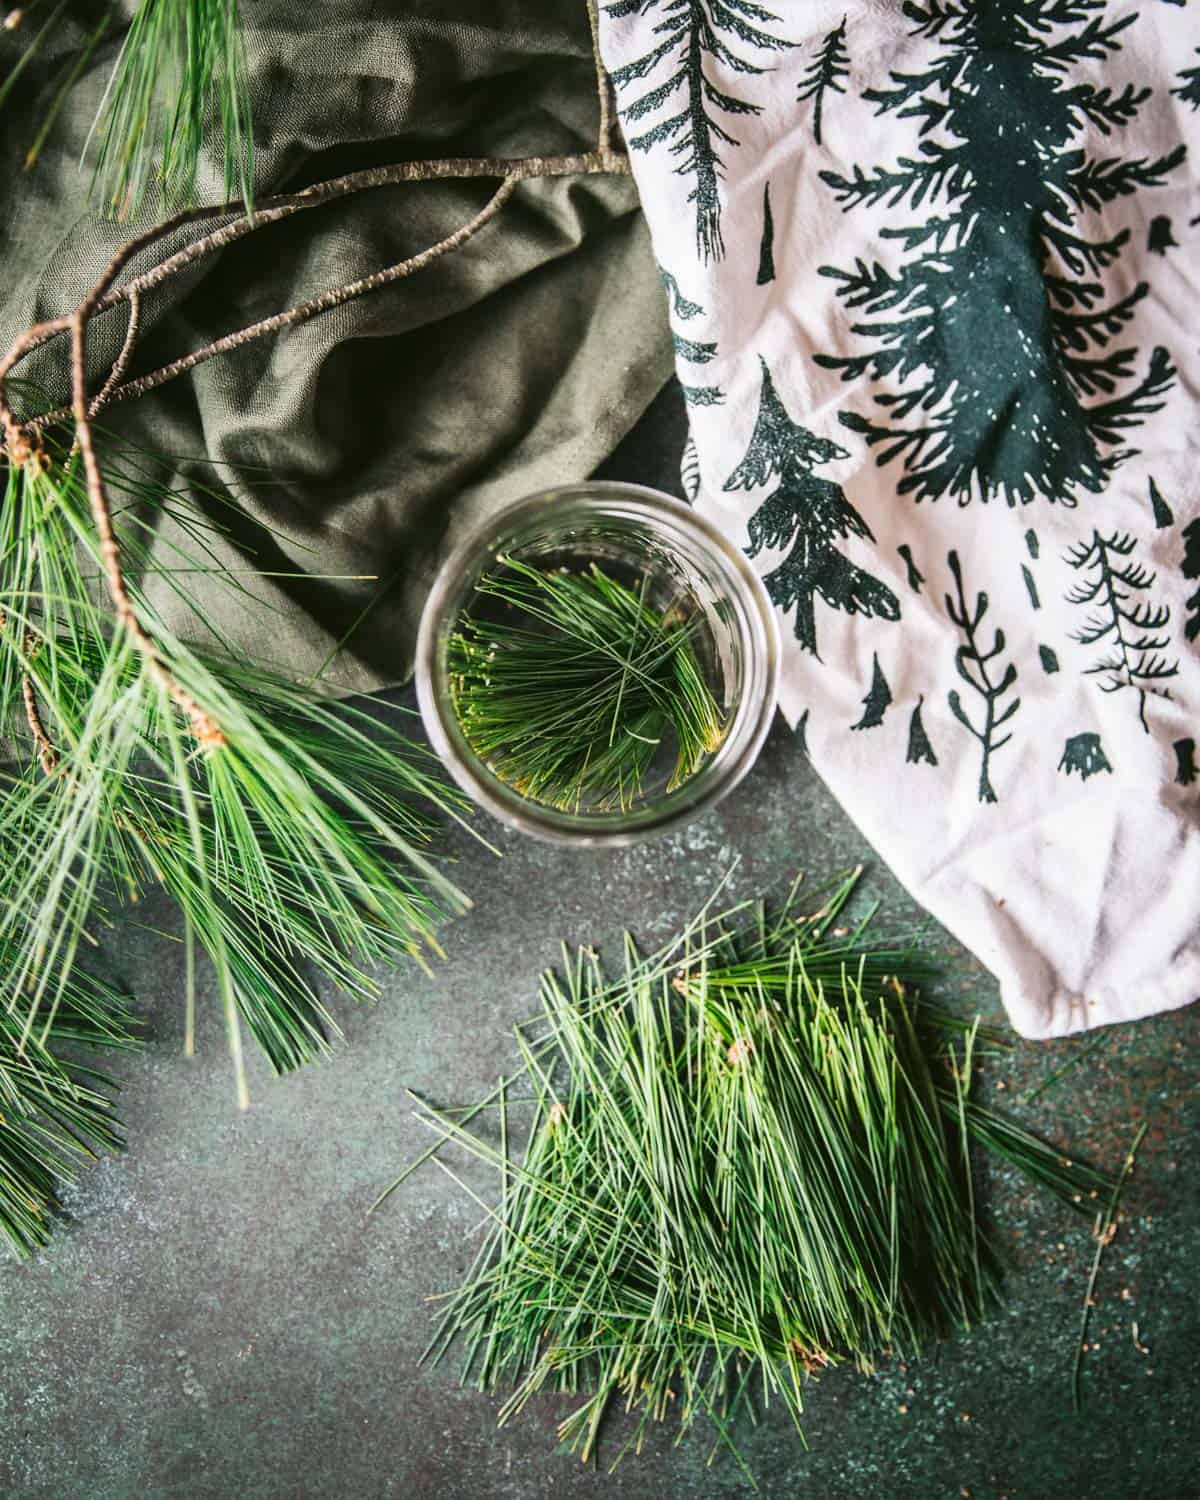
(681, 307)
(996, 335)
(812, 513)
(697, 37)
(915, 577)
(972, 662)
(1159, 237)
(1085, 754)
(766, 248)
(697, 352)
(919, 748)
(1129, 630)
(1191, 570)
(877, 700)
(1163, 515)
(689, 469)
(1189, 86)
(826, 72)
(1185, 761)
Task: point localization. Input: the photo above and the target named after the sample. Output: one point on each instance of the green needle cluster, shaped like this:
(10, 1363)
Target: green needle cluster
(569, 695)
(181, 70)
(55, 1111)
(729, 1185)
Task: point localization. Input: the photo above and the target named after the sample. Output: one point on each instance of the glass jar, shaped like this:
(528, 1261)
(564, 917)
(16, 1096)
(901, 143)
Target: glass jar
(686, 567)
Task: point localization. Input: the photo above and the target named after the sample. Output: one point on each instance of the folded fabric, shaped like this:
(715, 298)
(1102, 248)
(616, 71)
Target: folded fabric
(934, 274)
(369, 437)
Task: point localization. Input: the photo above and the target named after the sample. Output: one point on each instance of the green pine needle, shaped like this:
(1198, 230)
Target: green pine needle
(181, 70)
(570, 694)
(54, 1113)
(728, 1185)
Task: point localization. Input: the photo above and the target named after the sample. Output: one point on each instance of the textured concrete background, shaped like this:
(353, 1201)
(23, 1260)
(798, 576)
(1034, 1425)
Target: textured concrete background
(223, 1322)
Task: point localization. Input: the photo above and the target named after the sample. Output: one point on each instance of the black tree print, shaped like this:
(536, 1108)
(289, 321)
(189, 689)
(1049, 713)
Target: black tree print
(1049, 659)
(689, 469)
(919, 748)
(996, 337)
(812, 513)
(1085, 754)
(1129, 630)
(1163, 515)
(877, 700)
(972, 660)
(1189, 86)
(1185, 761)
(826, 72)
(1159, 237)
(681, 307)
(697, 36)
(1191, 570)
(697, 352)
(766, 249)
(914, 575)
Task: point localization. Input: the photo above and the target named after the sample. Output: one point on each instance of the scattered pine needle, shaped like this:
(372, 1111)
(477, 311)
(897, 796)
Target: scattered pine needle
(1104, 1234)
(570, 695)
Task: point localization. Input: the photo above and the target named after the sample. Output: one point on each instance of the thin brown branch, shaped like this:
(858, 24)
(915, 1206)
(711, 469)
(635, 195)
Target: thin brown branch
(121, 363)
(207, 733)
(602, 161)
(33, 717)
(301, 313)
(603, 85)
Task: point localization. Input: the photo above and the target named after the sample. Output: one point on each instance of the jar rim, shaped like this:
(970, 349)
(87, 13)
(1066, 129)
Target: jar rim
(752, 715)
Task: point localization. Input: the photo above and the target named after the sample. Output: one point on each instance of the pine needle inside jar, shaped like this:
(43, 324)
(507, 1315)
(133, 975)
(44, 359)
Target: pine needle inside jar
(577, 691)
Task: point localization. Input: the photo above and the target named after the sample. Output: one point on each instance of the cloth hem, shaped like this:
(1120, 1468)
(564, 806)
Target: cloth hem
(1068, 1012)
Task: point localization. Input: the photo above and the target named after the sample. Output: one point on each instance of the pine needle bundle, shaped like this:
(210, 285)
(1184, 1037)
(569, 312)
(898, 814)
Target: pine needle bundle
(569, 693)
(54, 1113)
(293, 833)
(183, 64)
(729, 1185)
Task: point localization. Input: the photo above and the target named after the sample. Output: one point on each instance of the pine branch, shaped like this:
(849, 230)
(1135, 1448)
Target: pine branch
(291, 836)
(971, 661)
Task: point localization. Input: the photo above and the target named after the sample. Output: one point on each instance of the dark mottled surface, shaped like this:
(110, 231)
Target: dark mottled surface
(222, 1321)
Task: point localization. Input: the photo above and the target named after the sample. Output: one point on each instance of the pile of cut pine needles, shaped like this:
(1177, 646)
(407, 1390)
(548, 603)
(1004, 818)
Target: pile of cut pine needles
(295, 834)
(749, 1160)
(570, 692)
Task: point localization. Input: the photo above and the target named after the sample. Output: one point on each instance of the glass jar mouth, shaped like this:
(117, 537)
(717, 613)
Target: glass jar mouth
(676, 527)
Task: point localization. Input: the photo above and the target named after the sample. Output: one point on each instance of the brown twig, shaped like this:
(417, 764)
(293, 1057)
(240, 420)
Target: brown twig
(603, 86)
(301, 313)
(121, 363)
(33, 717)
(207, 733)
(271, 211)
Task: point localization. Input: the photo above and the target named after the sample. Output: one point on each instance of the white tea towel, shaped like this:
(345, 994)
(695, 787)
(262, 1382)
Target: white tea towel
(934, 275)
